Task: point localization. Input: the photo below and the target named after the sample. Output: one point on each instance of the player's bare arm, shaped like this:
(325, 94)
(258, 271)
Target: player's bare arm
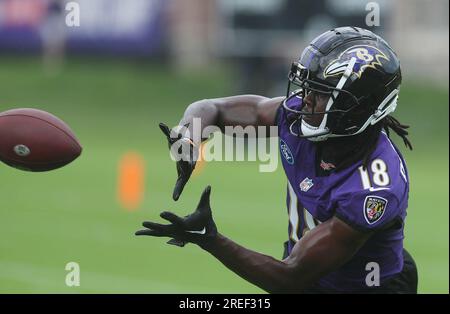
(320, 251)
(241, 110)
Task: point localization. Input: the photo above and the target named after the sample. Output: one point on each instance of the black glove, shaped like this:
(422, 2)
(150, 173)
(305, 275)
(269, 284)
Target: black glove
(185, 166)
(198, 227)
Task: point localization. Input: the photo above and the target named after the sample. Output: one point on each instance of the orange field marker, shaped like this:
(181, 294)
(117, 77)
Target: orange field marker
(130, 181)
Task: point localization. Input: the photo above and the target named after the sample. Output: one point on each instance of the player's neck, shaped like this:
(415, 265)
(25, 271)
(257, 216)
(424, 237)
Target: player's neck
(339, 153)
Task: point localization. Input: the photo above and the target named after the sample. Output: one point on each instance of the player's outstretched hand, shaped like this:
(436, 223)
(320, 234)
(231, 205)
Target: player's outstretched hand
(198, 227)
(186, 164)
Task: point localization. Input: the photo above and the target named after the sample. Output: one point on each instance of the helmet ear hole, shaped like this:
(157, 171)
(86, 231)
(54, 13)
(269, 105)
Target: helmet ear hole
(345, 102)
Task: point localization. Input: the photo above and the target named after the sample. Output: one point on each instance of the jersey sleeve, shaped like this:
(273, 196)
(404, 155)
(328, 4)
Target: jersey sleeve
(367, 210)
(278, 116)
(376, 198)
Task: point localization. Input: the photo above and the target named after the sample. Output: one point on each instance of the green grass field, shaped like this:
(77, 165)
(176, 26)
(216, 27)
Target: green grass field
(72, 214)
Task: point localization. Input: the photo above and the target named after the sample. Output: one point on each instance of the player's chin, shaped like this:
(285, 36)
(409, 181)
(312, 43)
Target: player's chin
(312, 121)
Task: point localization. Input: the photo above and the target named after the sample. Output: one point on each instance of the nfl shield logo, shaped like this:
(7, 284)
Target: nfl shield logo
(306, 184)
(374, 207)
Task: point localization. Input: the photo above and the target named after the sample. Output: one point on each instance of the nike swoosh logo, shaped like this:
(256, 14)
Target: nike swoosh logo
(377, 189)
(203, 231)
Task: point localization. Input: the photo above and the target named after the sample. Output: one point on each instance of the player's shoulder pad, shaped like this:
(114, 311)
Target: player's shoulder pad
(375, 197)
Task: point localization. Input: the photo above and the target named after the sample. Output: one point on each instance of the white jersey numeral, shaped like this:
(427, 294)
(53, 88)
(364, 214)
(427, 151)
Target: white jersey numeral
(293, 213)
(380, 175)
(402, 170)
(310, 222)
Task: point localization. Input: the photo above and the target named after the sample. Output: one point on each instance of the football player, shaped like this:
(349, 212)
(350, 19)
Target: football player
(348, 184)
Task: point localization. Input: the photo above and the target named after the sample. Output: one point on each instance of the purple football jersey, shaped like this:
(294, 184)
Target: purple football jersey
(371, 199)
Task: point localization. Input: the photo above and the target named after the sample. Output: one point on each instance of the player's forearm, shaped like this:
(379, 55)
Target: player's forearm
(266, 272)
(240, 110)
(208, 114)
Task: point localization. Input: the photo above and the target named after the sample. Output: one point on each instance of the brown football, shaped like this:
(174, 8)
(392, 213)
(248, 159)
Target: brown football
(35, 140)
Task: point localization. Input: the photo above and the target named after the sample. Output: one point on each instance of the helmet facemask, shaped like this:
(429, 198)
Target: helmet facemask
(358, 72)
(300, 78)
